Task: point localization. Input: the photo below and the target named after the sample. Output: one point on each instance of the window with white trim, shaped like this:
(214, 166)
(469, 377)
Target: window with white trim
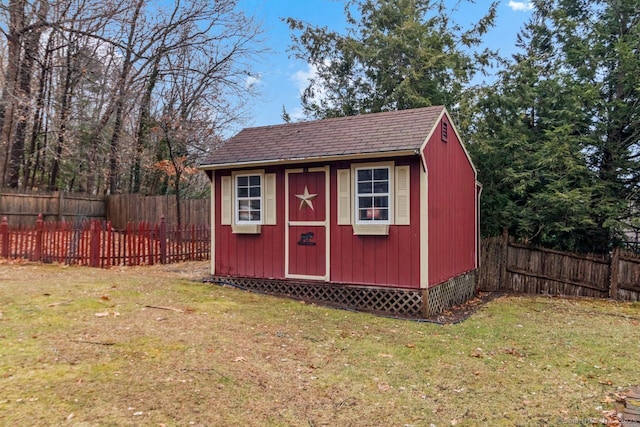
(371, 197)
(248, 200)
(373, 194)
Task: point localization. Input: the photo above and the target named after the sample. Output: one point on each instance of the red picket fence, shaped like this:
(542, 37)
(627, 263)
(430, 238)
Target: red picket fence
(96, 244)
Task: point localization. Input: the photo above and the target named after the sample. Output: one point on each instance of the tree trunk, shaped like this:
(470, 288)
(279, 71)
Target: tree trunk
(7, 106)
(31, 160)
(25, 74)
(120, 102)
(143, 124)
(63, 118)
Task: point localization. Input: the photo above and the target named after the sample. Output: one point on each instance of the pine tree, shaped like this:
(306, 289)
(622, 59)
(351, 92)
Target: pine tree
(556, 137)
(396, 54)
(526, 141)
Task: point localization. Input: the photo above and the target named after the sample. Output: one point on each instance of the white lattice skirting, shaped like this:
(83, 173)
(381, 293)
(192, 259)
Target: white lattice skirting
(411, 303)
(453, 292)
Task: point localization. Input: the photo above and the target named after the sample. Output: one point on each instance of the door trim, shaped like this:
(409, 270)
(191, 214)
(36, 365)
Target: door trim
(324, 223)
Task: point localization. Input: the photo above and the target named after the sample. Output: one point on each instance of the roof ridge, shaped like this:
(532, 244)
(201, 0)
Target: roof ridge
(352, 117)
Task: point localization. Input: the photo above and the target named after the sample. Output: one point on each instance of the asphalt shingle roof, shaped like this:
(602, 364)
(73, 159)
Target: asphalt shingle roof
(393, 131)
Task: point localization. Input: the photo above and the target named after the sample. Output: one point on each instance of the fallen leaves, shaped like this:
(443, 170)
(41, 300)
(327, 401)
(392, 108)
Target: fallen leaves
(611, 418)
(480, 353)
(384, 387)
(513, 352)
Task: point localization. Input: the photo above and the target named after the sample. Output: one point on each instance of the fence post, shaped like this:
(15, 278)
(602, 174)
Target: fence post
(504, 255)
(148, 235)
(109, 233)
(39, 234)
(94, 243)
(614, 268)
(4, 234)
(60, 205)
(162, 235)
(192, 255)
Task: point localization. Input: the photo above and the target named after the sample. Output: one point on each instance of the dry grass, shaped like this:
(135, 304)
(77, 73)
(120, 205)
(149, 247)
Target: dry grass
(167, 350)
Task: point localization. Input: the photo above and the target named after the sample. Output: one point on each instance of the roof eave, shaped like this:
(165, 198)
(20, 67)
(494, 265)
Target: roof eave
(279, 162)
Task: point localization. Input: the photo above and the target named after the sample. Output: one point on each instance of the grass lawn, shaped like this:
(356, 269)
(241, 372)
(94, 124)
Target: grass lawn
(153, 346)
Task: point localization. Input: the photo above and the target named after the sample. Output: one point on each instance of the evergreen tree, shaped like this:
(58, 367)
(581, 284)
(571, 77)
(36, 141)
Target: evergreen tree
(396, 54)
(600, 45)
(556, 137)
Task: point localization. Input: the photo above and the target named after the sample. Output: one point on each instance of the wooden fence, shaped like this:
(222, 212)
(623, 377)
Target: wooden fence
(509, 266)
(23, 208)
(124, 208)
(96, 243)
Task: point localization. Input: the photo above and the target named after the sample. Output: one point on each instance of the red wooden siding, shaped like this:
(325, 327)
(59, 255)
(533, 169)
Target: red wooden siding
(452, 208)
(251, 255)
(314, 183)
(307, 260)
(392, 260)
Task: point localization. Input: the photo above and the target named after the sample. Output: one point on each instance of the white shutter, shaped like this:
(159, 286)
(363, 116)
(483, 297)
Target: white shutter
(226, 203)
(344, 196)
(270, 199)
(403, 199)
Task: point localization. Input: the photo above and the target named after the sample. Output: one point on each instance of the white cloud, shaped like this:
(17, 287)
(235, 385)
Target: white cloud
(301, 78)
(520, 6)
(251, 81)
(297, 114)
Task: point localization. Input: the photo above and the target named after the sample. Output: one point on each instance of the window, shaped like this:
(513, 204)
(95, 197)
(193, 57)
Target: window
(248, 199)
(373, 195)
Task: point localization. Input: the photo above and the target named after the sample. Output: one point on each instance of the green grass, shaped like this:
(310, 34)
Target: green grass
(230, 357)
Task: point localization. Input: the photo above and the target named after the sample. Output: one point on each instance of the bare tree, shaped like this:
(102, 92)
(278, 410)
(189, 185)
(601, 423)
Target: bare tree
(201, 74)
(87, 86)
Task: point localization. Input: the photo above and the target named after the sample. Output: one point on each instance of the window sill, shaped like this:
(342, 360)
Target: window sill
(370, 229)
(246, 228)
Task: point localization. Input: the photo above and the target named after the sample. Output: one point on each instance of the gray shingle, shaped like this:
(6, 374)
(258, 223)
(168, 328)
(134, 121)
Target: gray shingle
(393, 131)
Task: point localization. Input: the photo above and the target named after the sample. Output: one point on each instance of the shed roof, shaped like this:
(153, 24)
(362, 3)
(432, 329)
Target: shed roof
(375, 133)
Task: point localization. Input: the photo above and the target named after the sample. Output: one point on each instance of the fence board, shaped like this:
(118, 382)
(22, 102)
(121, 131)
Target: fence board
(24, 207)
(514, 267)
(489, 273)
(123, 208)
(629, 274)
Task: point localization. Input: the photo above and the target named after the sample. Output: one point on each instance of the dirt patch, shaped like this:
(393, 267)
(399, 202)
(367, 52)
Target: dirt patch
(462, 312)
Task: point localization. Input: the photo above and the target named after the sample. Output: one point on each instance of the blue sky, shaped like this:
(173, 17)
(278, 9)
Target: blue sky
(280, 79)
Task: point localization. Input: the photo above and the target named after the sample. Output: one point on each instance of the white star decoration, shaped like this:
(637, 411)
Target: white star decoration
(306, 198)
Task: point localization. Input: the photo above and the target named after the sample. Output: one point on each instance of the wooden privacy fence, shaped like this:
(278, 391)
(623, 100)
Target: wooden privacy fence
(23, 208)
(96, 243)
(124, 208)
(509, 266)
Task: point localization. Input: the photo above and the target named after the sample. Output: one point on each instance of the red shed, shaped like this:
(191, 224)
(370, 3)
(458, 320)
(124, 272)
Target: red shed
(375, 212)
